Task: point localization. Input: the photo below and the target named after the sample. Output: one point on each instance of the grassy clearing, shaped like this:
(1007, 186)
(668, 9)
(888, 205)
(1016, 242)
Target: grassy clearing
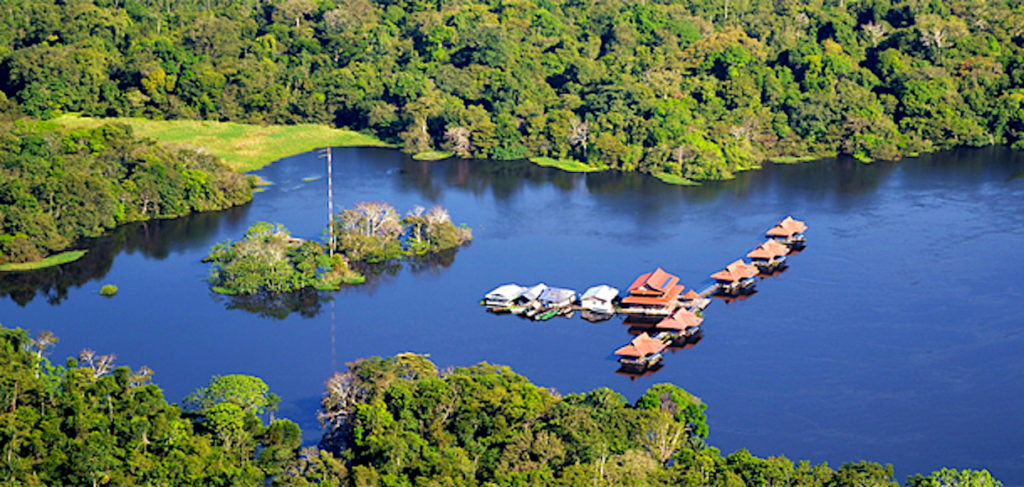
(56, 259)
(244, 147)
(673, 179)
(570, 165)
(792, 159)
(433, 155)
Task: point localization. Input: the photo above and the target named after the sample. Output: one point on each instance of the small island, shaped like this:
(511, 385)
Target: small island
(270, 260)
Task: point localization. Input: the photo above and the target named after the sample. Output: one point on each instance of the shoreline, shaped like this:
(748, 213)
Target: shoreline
(54, 260)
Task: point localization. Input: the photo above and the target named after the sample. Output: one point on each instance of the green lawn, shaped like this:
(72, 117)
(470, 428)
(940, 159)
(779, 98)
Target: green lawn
(56, 259)
(673, 179)
(570, 165)
(244, 147)
(432, 155)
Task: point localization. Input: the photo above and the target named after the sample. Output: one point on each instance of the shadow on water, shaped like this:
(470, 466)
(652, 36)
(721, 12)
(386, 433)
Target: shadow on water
(308, 302)
(156, 239)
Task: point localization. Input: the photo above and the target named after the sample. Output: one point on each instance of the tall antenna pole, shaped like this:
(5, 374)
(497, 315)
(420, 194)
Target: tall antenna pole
(330, 202)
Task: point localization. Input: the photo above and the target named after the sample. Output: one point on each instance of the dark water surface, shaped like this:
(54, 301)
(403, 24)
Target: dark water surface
(897, 336)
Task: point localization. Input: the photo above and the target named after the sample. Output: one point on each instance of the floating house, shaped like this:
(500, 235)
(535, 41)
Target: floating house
(736, 278)
(641, 353)
(693, 301)
(769, 256)
(556, 297)
(681, 324)
(503, 296)
(599, 299)
(789, 232)
(653, 293)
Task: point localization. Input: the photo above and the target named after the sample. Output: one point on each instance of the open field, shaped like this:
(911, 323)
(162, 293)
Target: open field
(244, 147)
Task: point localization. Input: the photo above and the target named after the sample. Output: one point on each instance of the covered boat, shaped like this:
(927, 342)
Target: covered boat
(790, 232)
(769, 256)
(641, 353)
(556, 297)
(504, 296)
(736, 278)
(600, 299)
(682, 323)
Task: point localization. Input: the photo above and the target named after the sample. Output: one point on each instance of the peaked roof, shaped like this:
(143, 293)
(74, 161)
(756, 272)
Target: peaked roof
(770, 249)
(787, 227)
(641, 346)
(506, 291)
(691, 294)
(653, 283)
(736, 271)
(654, 300)
(681, 320)
(601, 292)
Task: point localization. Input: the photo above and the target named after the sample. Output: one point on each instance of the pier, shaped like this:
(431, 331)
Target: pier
(655, 307)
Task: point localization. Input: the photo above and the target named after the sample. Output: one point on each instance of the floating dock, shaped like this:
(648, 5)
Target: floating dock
(655, 302)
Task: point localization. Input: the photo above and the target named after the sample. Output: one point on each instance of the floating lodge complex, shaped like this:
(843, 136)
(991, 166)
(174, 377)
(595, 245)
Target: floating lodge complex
(656, 309)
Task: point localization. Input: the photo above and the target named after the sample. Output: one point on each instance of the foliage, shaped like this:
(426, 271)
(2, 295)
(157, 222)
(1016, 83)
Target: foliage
(690, 89)
(269, 260)
(393, 421)
(399, 421)
(374, 231)
(88, 423)
(108, 290)
(948, 477)
(57, 186)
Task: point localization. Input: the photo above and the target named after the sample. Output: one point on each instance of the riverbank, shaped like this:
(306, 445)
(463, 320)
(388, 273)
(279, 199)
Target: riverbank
(243, 147)
(53, 260)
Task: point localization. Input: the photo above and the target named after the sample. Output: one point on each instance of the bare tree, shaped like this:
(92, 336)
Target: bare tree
(44, 340)
(875, 31)
(578, 134)
(457, 140)
(100, 366)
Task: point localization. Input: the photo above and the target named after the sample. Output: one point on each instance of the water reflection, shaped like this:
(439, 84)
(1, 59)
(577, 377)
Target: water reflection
(156, 239)
(309, 302)
(306, 302)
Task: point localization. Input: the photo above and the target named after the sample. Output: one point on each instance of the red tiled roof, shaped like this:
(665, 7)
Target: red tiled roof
(648, 300)
(787, 227)
(653, 283)
(770, 249)
(681, 321)
(736, 271)
(641, 346)
(691, 294)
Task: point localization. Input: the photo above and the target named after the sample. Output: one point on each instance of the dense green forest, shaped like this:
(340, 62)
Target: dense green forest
(57, 186)
(694, 89)
(389, 421)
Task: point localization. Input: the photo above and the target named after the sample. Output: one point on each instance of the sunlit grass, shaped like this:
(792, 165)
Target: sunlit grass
(570, 165)
(432, 155)
(244, 147)
(53, 260)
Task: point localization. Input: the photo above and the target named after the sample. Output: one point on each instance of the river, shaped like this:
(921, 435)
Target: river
(896, 336)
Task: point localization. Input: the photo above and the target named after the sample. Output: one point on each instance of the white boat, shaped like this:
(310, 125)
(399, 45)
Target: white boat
(556, 297)
(504, 296)
(599, 299)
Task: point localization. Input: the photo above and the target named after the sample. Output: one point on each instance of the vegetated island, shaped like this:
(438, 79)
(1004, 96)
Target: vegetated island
(690, 90)
(389, 421)
(60, 185)
(269, 260)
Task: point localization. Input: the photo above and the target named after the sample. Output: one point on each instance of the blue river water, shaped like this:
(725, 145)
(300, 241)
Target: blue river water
(897, 336)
